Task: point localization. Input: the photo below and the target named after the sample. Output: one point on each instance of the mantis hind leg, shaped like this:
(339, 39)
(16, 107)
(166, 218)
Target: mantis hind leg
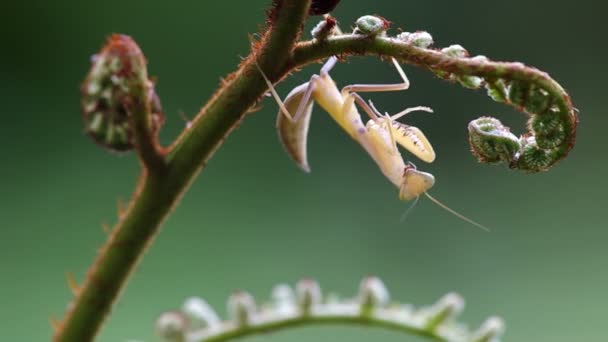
(326, 68)
(380, 87)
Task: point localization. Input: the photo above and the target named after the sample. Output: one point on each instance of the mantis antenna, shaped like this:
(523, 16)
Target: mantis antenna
(418, 182)
(455, 213)
(409, 210)
(274, 93)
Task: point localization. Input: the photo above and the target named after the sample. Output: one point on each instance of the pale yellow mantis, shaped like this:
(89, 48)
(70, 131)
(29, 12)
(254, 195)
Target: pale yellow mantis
(379, 137)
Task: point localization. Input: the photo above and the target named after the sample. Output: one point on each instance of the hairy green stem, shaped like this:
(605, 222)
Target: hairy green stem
(354, 44)
(146, 143)
(345, 45)
(158, 194)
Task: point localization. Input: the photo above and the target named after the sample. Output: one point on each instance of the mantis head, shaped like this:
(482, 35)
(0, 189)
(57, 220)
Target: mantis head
(415, 183)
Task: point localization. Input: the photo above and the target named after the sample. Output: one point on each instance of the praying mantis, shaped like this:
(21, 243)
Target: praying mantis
(379, 137)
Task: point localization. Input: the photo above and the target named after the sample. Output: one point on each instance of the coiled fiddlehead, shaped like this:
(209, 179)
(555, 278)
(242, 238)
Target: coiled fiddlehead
(552, 123)
(116, 85)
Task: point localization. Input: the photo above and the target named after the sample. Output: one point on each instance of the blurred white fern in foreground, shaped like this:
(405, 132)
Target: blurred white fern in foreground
(197, 321)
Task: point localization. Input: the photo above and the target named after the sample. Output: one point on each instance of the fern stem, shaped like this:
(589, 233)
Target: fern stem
(300, 321)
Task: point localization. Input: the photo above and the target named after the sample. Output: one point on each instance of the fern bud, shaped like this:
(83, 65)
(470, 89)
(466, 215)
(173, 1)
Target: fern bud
(241, 308)
(471, 82)
(491, 142)
(490, 331)
(371, 25)
(118, 78)
(372, 294)
(539, 101)
(171, 326)
(480, 58)
(497, 90)
(404, 36)
(446, 308)
(325, 28)
(452, 51)
(519, 92)
(308, 293)
(455, 51)
(421, 39)
(284, 299)
(199, 311)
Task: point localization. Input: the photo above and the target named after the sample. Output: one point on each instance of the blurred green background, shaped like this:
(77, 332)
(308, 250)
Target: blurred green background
(252, 219)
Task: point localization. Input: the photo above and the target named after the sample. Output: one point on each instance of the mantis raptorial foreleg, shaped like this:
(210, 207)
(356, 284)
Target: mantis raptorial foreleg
(409, 137)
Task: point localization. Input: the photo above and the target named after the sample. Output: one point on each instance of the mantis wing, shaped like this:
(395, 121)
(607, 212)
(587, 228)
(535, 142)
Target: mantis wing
(413, 140)
(293, 134)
